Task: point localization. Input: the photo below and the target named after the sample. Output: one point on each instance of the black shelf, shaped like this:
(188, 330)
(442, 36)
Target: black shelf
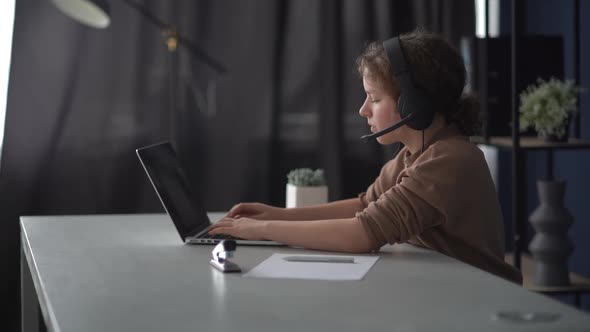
(578, 286)
(532, 143)
(518, 145)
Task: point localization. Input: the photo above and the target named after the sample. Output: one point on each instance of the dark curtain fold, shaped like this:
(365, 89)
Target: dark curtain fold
(82, 100)
(331, 84)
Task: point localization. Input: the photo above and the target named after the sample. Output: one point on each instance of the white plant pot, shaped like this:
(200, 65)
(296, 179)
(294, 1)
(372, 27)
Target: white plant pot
(298, 196)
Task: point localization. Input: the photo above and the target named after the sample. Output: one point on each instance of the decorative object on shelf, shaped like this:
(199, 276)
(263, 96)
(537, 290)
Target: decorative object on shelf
(550, 246)
(547, 107)
(306, 187)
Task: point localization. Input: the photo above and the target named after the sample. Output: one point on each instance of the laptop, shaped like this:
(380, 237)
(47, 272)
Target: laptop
(184, 207)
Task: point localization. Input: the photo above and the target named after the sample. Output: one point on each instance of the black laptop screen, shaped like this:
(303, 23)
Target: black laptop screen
(173, 188)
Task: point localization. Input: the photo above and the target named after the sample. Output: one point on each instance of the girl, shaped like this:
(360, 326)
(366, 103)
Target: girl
(437, 193)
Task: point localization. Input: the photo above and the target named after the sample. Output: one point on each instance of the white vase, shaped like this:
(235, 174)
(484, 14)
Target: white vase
(298, 196)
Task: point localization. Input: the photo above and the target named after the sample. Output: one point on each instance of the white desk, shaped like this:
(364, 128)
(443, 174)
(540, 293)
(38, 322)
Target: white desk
(132, 273)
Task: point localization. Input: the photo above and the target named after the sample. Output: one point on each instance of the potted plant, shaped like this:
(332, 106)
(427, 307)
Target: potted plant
(306, 187)
(547, 107)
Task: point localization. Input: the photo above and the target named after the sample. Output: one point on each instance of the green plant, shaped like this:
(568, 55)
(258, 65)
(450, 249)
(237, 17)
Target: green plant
(547, 105)
(306, 177)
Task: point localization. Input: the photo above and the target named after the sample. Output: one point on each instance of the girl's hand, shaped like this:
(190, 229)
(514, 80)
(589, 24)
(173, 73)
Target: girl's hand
(243, 228)
(256, 211)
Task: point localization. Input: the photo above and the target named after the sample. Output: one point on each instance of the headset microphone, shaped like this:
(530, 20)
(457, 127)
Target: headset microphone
(380, 133)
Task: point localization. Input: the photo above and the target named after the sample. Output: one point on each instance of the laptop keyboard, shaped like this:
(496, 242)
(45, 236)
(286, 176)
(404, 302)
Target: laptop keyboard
(218, 237)
(223, 237)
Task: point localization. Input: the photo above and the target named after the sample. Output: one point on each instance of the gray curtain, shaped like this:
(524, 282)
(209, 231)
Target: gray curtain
(82, 100)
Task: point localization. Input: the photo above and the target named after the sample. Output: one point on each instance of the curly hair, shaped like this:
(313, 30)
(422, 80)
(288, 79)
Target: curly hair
(437, 68)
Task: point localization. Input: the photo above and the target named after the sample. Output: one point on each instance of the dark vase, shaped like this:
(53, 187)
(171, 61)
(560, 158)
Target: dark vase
(551, 246)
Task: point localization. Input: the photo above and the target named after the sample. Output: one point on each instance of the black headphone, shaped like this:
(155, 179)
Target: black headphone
(414, 104)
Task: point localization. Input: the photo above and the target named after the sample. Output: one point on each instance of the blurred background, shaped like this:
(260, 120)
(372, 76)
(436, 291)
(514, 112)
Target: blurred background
(75, 103)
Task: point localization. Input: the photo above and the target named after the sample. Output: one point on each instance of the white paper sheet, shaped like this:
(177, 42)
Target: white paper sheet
(277, 267)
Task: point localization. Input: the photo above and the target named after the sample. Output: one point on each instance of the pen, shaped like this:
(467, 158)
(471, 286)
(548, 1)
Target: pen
(319, 259)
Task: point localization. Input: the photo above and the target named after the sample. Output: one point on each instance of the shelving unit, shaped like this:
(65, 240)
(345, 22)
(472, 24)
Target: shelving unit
(579, 284)
(520, 145)
(532, 143)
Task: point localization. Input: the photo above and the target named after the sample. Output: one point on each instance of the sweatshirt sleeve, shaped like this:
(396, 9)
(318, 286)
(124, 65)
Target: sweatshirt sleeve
(386, 179)
(397, 216)
(413, 203)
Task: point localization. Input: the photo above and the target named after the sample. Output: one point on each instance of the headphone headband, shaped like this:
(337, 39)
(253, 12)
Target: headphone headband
(396, 56)
(412, 100)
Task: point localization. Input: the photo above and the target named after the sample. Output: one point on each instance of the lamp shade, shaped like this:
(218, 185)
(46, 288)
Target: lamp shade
(94, 13)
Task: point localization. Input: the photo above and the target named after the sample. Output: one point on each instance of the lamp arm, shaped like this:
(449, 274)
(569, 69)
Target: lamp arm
(187, 43)
(146, 14)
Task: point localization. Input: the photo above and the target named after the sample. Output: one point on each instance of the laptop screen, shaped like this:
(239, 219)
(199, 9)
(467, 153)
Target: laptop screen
(172, 186)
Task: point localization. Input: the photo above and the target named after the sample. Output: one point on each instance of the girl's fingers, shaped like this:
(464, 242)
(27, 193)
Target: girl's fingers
(221, 223)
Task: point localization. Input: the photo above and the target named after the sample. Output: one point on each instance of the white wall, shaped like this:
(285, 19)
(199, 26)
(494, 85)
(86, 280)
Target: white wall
(493, 18)
(6, 27)
(491, 155)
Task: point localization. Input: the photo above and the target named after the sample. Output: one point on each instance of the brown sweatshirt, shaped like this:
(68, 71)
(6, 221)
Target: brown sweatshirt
(443, 199)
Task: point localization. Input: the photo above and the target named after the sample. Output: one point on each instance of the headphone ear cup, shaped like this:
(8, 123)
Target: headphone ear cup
(402, 106)
(418, 103)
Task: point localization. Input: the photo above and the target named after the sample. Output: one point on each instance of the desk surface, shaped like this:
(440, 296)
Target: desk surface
(132, 273)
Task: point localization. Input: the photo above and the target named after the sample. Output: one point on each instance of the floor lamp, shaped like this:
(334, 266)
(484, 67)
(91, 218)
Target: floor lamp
(96, 14)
